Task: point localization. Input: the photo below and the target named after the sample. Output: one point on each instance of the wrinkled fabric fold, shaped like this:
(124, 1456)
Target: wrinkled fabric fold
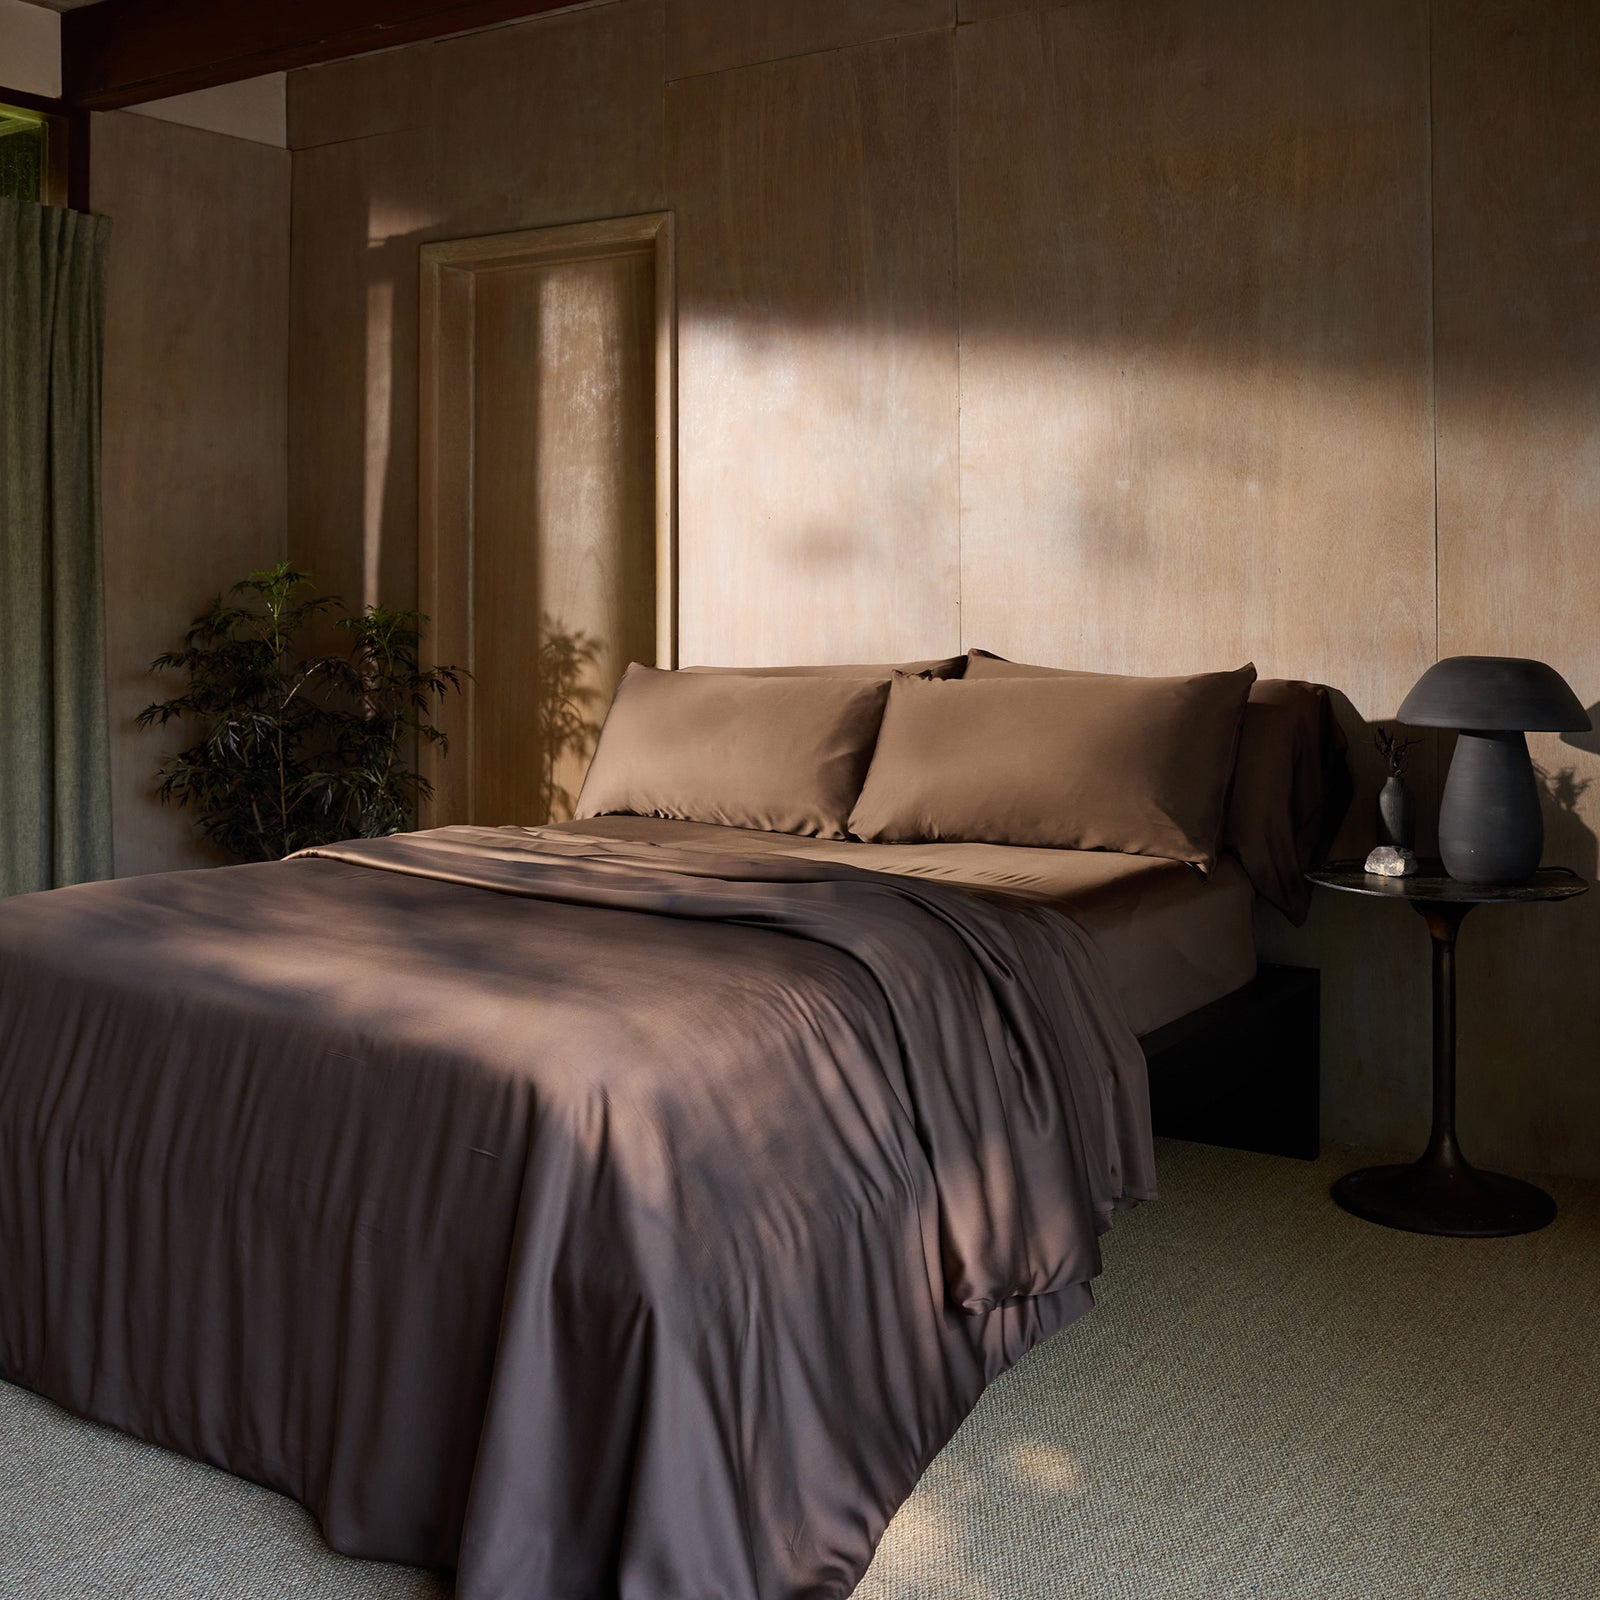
(592, 1219)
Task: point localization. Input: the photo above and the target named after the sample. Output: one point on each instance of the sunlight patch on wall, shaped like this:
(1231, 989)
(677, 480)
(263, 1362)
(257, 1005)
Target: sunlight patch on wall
(818, 487)
(1155, 509)
(380, 412)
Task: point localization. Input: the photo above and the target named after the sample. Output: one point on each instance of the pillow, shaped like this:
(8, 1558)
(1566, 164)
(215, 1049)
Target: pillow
(786, 755)
(944, 667)
(1079, 761)
(1291, 781)
(1291, 789)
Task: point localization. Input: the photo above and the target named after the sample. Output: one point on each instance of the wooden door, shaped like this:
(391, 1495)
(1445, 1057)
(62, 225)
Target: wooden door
(547, 500)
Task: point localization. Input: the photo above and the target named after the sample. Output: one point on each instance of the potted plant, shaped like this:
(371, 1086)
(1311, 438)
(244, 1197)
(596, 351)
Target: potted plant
(292, 749)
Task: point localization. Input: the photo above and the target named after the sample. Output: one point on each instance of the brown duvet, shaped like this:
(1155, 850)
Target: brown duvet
(595, 1218)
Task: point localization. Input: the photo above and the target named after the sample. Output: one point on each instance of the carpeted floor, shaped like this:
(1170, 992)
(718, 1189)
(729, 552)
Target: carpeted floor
(1272, 1399)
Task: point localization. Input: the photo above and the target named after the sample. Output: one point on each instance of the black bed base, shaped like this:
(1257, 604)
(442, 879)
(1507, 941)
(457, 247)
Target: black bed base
(1244, 1071)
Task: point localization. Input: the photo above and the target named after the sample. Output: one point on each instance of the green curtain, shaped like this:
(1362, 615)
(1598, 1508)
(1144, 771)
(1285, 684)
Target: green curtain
(55, 785)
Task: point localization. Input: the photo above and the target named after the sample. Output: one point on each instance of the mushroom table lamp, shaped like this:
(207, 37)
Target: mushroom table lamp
(1490, 826)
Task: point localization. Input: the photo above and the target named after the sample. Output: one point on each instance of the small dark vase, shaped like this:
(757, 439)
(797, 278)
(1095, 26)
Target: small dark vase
(1397, 814)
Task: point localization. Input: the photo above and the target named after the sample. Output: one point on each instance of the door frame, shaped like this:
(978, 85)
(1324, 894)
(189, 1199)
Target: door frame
(449, 270)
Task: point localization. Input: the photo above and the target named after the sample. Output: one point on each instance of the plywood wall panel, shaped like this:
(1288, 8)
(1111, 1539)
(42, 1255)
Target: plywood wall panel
(559, 120)
(363, 98)
(1517, 202)
(194, 451)
(553, 121)
(360, 207)
(1196, 420)
(817, 336)
(713, 35)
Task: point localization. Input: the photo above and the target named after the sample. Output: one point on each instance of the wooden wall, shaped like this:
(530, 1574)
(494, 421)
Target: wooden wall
(195, 453)
(1135, 334)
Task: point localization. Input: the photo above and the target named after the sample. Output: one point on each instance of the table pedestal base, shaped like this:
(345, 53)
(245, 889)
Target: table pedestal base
(1441, 1192)
(1454, 1199)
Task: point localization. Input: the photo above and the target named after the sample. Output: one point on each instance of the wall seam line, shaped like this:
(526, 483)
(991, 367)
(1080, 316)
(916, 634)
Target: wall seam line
(956, 288)
(288, 335)
(804, 55)
(1433, 334)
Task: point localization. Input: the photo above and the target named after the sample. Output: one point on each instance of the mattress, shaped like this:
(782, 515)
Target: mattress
(1173, 938)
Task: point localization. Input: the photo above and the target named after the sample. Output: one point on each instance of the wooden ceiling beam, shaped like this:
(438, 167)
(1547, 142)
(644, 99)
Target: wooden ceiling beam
(125, 52)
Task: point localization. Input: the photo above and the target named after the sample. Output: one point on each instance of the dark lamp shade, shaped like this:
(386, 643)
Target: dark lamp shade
(1505, 693)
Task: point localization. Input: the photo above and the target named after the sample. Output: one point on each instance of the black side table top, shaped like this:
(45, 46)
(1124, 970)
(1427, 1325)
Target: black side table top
(1434, 884)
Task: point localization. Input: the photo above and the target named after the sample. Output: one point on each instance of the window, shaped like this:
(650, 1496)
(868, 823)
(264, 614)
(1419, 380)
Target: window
(24, 153)
(33, 153)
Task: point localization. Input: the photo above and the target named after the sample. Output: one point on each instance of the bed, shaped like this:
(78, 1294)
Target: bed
(625, 1208)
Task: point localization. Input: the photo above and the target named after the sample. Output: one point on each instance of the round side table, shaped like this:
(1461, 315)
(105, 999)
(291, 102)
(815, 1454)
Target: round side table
(1441, 1191)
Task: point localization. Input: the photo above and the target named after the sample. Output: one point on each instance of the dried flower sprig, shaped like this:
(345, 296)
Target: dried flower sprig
(1395, 751)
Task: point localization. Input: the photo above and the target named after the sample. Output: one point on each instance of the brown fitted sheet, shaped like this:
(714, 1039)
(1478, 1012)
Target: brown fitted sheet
(1173, 938)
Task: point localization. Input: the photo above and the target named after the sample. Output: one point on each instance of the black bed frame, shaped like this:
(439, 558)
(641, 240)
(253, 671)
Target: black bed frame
(1244, 1071)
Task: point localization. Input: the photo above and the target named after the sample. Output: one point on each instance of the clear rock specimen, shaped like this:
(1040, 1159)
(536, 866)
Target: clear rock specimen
(1387, 861)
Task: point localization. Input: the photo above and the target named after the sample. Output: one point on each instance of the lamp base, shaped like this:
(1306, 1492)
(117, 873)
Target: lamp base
(1491, 829)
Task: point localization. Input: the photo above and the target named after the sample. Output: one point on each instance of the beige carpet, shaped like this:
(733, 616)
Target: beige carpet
(1273, 1399)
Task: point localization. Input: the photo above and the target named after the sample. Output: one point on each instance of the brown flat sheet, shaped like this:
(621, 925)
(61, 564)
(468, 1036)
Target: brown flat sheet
(1173, 939)
(601, 1219)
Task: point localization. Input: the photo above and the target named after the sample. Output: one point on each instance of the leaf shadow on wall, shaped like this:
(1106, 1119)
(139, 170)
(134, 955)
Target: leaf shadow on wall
(569, 699)
(1568, 840)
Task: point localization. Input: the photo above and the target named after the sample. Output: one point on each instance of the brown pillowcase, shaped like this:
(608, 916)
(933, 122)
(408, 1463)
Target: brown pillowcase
(1072, 762)
(786, 755)
(944, 667)
(1290, 788)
